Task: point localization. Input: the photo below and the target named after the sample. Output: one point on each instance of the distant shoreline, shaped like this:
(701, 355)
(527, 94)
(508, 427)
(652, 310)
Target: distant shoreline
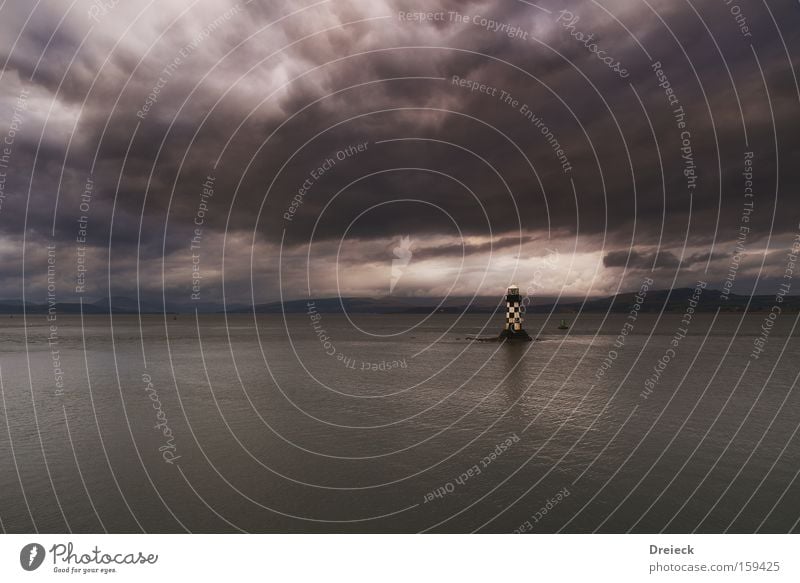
(658, 301)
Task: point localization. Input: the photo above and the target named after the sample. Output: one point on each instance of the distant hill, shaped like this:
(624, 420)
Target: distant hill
(120, 305)
(386, 305)
(16, 307)
(392, 305)
(675, 300)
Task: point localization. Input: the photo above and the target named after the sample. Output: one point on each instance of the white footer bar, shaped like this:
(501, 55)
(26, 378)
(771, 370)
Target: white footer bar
(400, 558)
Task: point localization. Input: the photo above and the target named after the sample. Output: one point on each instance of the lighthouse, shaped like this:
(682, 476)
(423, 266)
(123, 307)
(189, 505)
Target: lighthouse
(513, 329)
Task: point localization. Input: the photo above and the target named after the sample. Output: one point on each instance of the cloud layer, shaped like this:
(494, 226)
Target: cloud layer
(292, 145)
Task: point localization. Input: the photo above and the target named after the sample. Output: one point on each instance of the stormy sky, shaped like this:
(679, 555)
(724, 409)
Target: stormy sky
(272, 150)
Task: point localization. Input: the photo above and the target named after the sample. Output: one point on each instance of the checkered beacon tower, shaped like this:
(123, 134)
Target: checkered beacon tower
(514, 310)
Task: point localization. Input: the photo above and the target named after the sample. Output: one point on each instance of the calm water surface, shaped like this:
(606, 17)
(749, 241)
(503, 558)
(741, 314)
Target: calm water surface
(397, 423)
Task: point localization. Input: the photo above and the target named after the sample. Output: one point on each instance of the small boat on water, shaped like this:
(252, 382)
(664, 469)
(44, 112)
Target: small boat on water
(563, 325)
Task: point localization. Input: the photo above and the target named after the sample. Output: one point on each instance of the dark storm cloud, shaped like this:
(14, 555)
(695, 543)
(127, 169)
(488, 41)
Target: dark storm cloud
(153, 98)
(633, 259)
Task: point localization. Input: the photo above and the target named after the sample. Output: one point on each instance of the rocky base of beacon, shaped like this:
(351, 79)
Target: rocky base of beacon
(504, 336)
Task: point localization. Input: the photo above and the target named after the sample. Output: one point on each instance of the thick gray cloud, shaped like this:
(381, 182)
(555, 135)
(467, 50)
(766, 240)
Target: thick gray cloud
(633, 259)
(150, 100)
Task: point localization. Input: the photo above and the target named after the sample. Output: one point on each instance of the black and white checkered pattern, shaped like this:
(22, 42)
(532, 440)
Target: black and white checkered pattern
(514, 316)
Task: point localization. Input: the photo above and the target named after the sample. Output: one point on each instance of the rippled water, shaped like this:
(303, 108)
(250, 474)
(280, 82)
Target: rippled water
(397, 423)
